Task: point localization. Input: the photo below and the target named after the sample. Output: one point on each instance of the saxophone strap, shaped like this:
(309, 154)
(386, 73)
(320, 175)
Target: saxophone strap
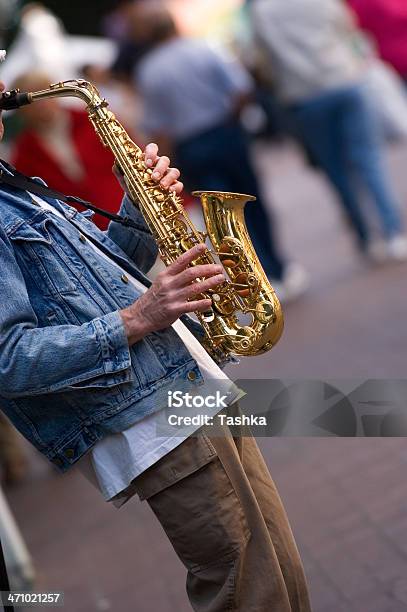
(20, 181)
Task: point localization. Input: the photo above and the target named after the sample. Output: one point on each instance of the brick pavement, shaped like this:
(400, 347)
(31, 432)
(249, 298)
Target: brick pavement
(346, 498)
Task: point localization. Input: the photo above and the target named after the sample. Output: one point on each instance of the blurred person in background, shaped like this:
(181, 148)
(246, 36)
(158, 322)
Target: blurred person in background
(60, 145)
(13, 464)
(40, 40)
(116, 25)
(8, 9)
(192, 98)
(386, 21)
(318, 76)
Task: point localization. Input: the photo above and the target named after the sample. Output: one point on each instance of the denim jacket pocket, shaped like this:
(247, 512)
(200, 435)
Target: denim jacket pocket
(103, 382)
(42, 258)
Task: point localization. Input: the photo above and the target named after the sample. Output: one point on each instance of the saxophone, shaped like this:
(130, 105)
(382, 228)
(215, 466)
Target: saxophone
(245, 317)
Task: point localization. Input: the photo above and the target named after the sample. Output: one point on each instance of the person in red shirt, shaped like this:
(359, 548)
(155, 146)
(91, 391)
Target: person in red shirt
(60, 145)
(386, 20)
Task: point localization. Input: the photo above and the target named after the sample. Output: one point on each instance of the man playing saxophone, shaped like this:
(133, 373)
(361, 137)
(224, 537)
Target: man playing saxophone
(89, 351)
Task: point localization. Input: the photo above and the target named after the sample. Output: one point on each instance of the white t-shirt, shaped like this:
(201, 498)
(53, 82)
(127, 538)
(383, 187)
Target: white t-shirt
(113, 462)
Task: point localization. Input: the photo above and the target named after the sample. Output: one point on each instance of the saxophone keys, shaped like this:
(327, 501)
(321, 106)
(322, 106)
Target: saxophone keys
(177, 228)
(228, 263)
(208, 316)
(190, 241)
(222, 304)
(245, 284)
(264, 312)
(230, 255)
(242, 340)
(244, 344)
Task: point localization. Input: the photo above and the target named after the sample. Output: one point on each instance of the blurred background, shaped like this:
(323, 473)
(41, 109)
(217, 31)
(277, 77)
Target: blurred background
(304, 104)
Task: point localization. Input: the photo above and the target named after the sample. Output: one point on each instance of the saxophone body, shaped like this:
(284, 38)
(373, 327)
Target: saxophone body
(246, 317)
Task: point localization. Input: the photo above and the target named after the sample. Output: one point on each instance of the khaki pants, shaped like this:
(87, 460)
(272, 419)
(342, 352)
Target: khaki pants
(218, 505)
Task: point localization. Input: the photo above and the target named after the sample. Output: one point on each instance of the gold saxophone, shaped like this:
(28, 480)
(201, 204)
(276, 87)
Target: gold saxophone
(246, 317)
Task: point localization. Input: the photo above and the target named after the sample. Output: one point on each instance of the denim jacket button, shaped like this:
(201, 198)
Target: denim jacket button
(124, 278)
(69, 453)
(191, 375)
(82, 238)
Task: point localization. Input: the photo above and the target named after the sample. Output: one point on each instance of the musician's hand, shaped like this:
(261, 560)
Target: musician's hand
(162, 173)
(171, 295)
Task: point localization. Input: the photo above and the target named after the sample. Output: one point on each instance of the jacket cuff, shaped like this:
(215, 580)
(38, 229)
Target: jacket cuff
(115, 350)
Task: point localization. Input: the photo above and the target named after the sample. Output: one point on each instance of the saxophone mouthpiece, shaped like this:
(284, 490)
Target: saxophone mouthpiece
(11, 100)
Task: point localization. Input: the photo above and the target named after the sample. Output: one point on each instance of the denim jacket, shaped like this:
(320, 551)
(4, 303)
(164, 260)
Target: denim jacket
(67, 374)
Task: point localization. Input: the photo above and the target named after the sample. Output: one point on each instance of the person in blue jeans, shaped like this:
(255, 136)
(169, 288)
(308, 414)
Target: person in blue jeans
(318, 78)
(340, 130)
(192, 98)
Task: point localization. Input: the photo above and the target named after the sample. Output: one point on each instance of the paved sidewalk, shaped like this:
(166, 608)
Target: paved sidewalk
(346, 498)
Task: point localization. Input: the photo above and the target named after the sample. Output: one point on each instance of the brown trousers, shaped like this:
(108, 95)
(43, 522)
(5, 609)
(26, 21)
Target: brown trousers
(218, 505)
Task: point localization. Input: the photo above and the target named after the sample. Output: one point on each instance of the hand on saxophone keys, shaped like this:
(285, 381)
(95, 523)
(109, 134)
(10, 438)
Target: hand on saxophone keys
(160, 171)
(176, 291)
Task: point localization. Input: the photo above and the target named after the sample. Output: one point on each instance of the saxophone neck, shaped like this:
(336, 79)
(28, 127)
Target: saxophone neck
(84, 90)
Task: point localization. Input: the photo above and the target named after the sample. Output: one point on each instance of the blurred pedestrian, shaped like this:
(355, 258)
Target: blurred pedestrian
(40, 40)
(386, 21)
(318, 76)
(13, 464)
(192, 98)
(60, 144)
(116, 26)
